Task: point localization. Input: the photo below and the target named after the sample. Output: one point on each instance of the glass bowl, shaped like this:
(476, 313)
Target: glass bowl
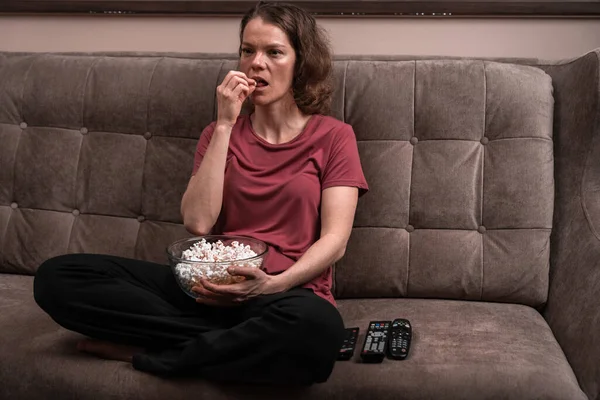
(188, 272)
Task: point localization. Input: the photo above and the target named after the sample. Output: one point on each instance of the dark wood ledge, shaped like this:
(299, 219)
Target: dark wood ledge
(338, 8)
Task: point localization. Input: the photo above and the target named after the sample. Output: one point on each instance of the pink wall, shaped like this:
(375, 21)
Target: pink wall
(542, 38)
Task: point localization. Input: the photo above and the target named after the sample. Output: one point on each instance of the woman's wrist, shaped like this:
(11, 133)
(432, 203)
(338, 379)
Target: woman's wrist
(277, 284)
(224, 126)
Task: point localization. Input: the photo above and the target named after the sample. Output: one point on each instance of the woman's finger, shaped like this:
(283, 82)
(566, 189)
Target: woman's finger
(248, 272)
(234, 290)
(241, 79)
(229, 91)
(239, 84)
(209, 294)
(235, 80)
(246, 80)
(241, 89)
(230, 75)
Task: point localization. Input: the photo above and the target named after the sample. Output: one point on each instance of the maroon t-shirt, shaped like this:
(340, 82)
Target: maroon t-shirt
(272, 192)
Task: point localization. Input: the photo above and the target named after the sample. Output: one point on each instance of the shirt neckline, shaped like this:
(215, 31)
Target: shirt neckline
(302, 133)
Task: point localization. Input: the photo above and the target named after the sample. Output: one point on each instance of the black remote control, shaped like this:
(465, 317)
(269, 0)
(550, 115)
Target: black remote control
(399, 340)
(373, 350)
(347, 350)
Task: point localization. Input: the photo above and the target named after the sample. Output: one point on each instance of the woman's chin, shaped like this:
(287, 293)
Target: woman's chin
(259, 100)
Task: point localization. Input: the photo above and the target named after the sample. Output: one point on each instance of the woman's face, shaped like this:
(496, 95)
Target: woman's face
(267, 57)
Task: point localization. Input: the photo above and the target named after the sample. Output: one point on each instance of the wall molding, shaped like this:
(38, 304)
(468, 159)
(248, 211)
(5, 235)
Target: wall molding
(328, 8)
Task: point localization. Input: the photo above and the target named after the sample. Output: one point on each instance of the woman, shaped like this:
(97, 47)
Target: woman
(285, 174)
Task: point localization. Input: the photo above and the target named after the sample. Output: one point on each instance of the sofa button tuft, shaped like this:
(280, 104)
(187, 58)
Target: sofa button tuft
(410, 228)
(75, 212)
(14, 205)
(481, 229)
(23, 125)
(147, 135)
(414, 140)
(484, 140)
(84, 130)
(141, 218)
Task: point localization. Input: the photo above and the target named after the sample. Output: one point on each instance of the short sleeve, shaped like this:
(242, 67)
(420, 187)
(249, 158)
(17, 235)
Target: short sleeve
(202, 145)
(343, 167)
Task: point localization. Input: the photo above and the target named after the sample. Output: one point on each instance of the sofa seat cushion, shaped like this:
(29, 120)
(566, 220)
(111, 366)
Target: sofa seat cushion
(461, 350)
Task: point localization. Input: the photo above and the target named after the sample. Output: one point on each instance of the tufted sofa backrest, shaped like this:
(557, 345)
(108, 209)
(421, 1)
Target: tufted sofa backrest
(459, 156)
(96, 152)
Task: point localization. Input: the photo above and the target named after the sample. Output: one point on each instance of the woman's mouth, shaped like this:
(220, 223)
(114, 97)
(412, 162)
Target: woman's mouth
(260, 82)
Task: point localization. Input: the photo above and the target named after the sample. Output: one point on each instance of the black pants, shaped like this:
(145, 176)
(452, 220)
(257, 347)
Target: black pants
(284, 338)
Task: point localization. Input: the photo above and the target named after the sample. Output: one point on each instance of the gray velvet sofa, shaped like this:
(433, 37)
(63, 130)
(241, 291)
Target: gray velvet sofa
(482, 225)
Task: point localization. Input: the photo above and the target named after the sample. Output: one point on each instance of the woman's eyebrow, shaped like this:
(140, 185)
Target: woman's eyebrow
(272, 44)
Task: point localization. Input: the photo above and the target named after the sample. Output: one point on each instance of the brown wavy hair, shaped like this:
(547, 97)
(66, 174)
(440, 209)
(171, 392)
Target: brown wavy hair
(313, 80)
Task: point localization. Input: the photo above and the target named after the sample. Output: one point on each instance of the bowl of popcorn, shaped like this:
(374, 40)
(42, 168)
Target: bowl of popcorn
(208, 257)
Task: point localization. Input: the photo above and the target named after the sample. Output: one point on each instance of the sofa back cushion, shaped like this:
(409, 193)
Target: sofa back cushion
(459, 157)
(96, 152)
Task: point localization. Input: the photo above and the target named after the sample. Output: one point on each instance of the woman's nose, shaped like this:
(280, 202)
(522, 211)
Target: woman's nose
(258, 60)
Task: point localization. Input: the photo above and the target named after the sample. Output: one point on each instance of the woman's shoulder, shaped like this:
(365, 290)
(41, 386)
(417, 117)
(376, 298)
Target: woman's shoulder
(334, 130)
(333, 125)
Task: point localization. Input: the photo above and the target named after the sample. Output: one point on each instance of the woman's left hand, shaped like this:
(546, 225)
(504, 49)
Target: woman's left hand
(257, 282)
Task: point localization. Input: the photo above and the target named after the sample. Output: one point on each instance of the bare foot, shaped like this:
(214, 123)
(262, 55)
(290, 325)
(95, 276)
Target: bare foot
(108, 350)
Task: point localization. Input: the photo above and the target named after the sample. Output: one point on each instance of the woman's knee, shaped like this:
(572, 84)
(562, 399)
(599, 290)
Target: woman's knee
(49, 280)
(320, 315)
(318, 333)
(323, 336)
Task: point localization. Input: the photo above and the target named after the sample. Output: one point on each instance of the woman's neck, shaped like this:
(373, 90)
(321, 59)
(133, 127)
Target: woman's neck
(279, 123)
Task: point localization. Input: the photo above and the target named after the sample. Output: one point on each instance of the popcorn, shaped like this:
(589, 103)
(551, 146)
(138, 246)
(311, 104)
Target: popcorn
(223, 256)
(217, 251)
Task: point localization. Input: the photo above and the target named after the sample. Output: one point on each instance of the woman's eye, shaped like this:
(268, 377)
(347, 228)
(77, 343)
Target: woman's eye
(246, 51)
(275, 52)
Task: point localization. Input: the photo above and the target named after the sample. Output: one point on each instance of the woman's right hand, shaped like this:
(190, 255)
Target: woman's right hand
(206, 297)
(231, 94)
